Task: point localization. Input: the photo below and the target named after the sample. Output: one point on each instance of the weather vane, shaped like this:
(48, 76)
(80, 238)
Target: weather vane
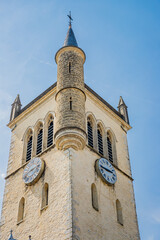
(70, 19)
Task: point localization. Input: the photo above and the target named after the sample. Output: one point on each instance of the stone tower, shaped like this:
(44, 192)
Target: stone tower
(69, 175)
(70, 129)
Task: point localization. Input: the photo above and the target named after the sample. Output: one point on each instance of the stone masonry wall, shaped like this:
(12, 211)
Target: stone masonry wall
(89, 224)
(70, 118)
(70, 214)
(71, 85)
(54, 222)
(76, 77)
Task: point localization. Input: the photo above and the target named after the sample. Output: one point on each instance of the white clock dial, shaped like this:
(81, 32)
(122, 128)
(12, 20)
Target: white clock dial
(33, 171)
(106, 171)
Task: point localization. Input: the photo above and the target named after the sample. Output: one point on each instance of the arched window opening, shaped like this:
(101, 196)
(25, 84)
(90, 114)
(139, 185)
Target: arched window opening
(21, 210)
(45, 195)
(109, 145)
(90, 132)
(39, 140)
(50, 132)
(119, 212)
(29, 147)
(94, 197)
(100, 140)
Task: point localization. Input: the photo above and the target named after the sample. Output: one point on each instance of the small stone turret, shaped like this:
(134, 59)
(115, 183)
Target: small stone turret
(16, 107)
(122, 108)
(70, 97)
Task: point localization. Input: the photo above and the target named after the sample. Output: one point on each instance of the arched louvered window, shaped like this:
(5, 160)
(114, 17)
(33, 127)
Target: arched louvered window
(21, 210)
(39, 141)
(50, 132)
(100, 140)
(29, 148)
(45, 195)
(119, 212)
(90, 132)
(109, 145)
(94, 197)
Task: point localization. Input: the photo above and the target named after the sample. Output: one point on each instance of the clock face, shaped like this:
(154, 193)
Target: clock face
(106, 171)
(33, 171)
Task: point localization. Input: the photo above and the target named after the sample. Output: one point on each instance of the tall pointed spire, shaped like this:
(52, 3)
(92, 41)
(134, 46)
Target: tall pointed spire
(122, 108)
(16, 107)
(70, 38)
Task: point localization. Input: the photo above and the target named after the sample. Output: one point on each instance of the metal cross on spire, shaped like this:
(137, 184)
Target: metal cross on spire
(70, 19)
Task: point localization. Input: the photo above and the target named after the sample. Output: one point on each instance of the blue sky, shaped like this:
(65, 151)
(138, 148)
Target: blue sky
(121, 40)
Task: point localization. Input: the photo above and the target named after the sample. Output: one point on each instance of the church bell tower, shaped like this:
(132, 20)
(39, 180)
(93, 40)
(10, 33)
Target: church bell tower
(69, 175)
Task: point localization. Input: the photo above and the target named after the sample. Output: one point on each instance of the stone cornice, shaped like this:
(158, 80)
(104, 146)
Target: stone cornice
(70, 48)
(53, 146)
(120, 170)
(115, 114)
(32, 105)
(22, 166)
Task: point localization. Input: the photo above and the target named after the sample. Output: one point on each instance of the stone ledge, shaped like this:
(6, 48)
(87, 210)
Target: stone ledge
(20, 222)
(44, 208)
(46, 150)
(94, 150)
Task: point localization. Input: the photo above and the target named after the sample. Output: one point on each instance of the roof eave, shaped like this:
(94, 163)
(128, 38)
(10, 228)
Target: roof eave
(50, 91)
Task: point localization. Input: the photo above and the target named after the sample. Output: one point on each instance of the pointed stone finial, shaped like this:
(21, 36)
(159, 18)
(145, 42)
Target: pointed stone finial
(16, 107)
(121, 101)
(122, 108)
(17, 99)
(11, 236)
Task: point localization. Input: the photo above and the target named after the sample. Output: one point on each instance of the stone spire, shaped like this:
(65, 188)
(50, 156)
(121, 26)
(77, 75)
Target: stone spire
(122, 108)
(16, 107)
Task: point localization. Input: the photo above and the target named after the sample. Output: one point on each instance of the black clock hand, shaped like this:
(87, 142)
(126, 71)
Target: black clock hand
(32, 169)
(106, 169)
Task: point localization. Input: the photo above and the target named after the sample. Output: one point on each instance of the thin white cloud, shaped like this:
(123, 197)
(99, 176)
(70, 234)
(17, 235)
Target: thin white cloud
(43, 62)
(156, 215)
(151, 238)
